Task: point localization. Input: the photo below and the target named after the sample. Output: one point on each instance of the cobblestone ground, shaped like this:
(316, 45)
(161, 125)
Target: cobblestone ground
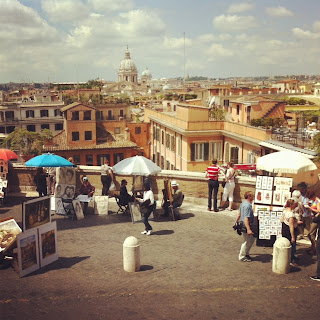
(189, 270)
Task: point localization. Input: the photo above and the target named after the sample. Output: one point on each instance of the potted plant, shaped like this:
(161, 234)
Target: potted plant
(27, 143)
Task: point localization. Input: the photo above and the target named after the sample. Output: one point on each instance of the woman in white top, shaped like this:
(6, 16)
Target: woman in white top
(106, 177)
(290, 226)
(146, 207)
(229, 186)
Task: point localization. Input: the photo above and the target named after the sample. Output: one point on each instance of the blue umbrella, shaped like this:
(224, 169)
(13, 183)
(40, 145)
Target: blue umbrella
(48, 160)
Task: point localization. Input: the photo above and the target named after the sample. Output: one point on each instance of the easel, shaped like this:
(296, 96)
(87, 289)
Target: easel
(167, 195)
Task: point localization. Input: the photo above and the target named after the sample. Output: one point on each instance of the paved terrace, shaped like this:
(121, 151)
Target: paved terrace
(190, 270)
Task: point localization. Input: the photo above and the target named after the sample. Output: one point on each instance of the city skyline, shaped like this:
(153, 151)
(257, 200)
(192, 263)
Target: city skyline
(79, 40)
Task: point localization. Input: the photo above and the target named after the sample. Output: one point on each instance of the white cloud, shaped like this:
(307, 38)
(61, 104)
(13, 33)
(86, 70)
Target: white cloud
(232, 23)
(209, 37)
(279, 12)
(305, 34)
(176, 43)
(106, 6)
(65, 11)
(240, 7)
(217, 50)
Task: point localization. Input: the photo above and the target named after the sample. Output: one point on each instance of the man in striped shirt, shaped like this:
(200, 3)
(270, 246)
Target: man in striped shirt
(213, 184)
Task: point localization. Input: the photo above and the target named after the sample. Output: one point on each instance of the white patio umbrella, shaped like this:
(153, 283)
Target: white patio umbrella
(137, 166)
(285, 162)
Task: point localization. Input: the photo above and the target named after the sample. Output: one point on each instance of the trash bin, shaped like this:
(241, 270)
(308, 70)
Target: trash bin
(131, 254)
(281, 256)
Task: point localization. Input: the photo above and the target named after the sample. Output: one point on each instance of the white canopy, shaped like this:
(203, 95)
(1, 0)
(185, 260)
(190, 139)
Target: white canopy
(285, 162)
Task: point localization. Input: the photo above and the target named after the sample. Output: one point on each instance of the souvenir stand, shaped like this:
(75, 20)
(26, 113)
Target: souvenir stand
(272, 192)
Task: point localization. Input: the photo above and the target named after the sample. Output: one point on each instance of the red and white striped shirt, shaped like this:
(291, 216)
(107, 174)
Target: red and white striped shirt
(212, 172)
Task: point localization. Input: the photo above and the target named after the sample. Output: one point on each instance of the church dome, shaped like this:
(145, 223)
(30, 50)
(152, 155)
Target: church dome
(146, 72)
(127, 64)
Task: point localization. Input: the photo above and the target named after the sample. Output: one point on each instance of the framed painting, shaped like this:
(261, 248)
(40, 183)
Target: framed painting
(258, 196)
(9, 231)
(264, 182)
(59, 190)
(78, 209)
(48, 243)
(28, 251)
(61, 175)
(270, 183)
(59, 206)
(285, 197)
(70, 176)
(258, 182)
(36, 212)
(277, 198)
(267, 197)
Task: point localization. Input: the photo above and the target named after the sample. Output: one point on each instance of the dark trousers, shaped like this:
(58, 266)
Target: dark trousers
(106, 182)
(318, 254)
(145, 213)
(213, 187)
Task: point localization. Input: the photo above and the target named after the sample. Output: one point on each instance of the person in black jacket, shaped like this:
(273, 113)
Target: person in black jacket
(41, 182)
(125, 197)
(316, 219)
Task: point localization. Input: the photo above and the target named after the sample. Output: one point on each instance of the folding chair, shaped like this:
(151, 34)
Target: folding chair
(68, 208)
(123, 208)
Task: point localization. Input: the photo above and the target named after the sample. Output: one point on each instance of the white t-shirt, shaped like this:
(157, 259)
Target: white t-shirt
(148, 195)
(287, 214)
(105, 169)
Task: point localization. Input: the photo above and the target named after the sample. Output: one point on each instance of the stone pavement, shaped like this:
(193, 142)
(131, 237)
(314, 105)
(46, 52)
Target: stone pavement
(189, 270)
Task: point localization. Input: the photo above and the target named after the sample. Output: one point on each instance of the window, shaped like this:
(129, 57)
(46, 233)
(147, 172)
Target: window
(101, 159)
(57, 112)
(162, 137)
(118, 157)
(75, 136)
(10, 129)
(167, 140)
(76, 158)
(87, 115)
(99, 115)
(9, 115)
(89, 160)
(238, 110)
(216, 151)
(227, 152)
(117, 130)
(121, 113)
(200, 151)
(58, 126)
(162, 162)
(110, 117)
(45, 126)
(75, 115)
(30, 114)
(226, 103)
(173, 144)
(88, 135)
(251, 157)
(44, 113)
(248, 114)
(2, 129)
(158, 134)
(168, 165)
(31, 128)
(137, 130)
(234, 154)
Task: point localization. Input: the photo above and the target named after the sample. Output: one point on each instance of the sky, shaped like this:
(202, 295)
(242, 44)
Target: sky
(81, 40)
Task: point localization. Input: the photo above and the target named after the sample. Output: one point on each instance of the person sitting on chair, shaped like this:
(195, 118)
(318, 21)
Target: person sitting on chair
(125, 197)
(177, 199)
(87, 188)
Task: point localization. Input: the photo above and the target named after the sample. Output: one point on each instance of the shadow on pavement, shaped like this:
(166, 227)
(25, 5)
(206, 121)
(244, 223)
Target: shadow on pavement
(162, 232)
(264, 258)
(146, 268)
(61, 263)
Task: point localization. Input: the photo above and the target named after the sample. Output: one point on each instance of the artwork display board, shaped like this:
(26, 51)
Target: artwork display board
(36, 212)
(136, 216)
(48, 243)
(271, 195)
(9, 230)
(78, 209)
(28, 251)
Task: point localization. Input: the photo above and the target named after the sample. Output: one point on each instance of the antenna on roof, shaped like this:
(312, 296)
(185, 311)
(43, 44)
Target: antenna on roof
(184, 57)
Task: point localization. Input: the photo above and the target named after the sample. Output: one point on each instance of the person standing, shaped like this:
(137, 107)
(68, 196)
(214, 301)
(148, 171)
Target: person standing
(247, 218)
(146, 207)
(229, 186)
(106, 177)
(290, 227)
(316, 220)
(212, 173)
(41, 181)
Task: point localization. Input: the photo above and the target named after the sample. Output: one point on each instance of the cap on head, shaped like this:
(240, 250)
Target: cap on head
(85, 179)
(174, 183)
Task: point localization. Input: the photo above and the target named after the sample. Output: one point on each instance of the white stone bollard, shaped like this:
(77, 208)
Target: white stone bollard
(131, 255)
(281, 256)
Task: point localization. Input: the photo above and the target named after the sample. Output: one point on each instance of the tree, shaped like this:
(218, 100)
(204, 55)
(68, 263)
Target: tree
(316, 146)
(217, 114)
(27, 142)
